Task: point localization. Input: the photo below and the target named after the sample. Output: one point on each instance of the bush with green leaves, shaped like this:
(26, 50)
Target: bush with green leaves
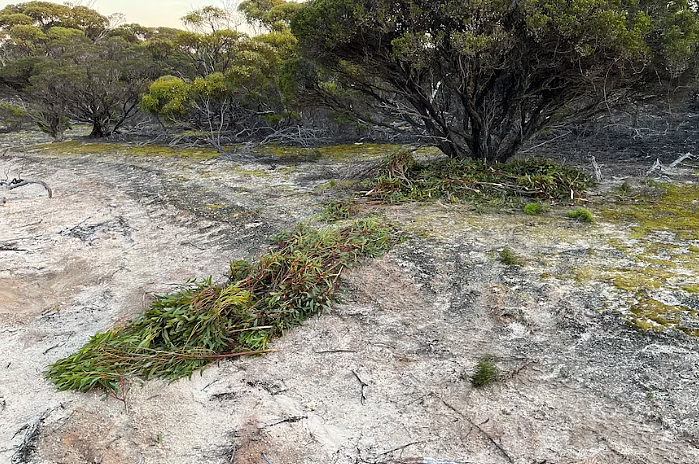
(13, 117)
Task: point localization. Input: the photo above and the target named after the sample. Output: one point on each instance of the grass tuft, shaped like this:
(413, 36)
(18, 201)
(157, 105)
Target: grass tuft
(581, 214)
(486, 373)
(186, 330)
(508, 258)
(534, 209)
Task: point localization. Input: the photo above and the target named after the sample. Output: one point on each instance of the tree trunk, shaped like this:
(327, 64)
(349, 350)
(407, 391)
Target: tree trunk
(97, 130)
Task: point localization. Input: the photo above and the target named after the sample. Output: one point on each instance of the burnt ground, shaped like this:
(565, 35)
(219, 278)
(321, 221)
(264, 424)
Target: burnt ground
(382, 377)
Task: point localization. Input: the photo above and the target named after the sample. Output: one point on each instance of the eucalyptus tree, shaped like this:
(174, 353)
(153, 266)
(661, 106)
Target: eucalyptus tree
(480, 78)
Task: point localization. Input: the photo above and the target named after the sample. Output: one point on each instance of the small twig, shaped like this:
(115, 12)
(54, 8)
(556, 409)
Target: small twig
(548, 141)
(210, 384)
(52, 348)
(680, 159)
(364, 385)
(17, 183)
(517, 370)
(335, 351)
(401, 448)
(289, 420)
(480, 429)
(10, 247)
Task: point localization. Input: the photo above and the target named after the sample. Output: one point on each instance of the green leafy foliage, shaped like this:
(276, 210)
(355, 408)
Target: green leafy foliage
(534, 209)
(402, 179)
(12, 117)
(186, 330)
(274, 15)
(504, 70)
(334, 211)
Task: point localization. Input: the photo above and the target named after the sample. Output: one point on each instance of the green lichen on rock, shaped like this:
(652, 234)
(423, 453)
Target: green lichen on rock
(673, 208)
(74, 148)
(663, 224)
(329, 152)
(651, 314)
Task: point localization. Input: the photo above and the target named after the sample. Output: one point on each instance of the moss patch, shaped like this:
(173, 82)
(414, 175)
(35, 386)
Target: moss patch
(675, 209)
(335, 152)
(651, 314)
(74, 147)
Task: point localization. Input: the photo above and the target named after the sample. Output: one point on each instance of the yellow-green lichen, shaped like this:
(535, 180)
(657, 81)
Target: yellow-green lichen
(75, 147)
(691, 288)
(335, 152)
(651, 314)
(675, 210)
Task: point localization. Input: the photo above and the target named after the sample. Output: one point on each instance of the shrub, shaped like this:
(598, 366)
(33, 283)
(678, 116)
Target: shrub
(533, 209)
(508, 258)
(581, 214)
(12, 117)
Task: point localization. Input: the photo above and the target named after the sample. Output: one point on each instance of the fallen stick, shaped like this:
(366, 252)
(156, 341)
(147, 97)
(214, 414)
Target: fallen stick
(17, 183)
(480, 429)
(362, 398)
(680, 159)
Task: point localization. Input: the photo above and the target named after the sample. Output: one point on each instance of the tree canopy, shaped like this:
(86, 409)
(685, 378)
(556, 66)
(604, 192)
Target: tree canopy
(475, 78)
(480, 78)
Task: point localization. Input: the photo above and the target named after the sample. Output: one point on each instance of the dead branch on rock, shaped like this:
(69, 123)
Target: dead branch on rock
(518, 370)
(364, 385)
(657, 166)
(295, 135)
(26, 449)
(426, 461)
(11, 246)
(17, 183)
(480, 429)
(679, 160)
(596, 168)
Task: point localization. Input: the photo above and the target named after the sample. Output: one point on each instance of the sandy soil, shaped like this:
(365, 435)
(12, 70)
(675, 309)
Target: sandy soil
(381, 378)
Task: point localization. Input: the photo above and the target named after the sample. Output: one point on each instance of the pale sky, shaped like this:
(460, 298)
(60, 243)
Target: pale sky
(145, 12)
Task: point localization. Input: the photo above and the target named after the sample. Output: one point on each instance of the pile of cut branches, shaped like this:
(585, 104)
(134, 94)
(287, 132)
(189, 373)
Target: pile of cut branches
(204, 322)
(402, 179)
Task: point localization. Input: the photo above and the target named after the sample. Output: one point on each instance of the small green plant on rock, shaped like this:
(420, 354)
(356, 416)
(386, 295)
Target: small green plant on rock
(508, 258)
(625, 189)
(334, 211)
(581, 215)
(533, 209)
(487, 373)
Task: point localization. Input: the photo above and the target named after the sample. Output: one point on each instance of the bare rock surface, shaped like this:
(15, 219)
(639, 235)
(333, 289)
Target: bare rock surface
(381, 378)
